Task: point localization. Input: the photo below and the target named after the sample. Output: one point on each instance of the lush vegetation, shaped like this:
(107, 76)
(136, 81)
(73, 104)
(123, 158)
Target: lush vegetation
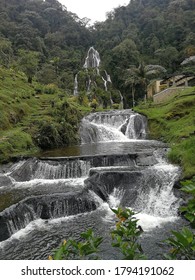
(35, 116)
(147, 32)
(183, 243)
(46, 42)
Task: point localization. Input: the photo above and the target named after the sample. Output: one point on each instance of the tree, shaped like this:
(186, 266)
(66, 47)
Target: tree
(125, 53)
(28, 61)
(168, 57)
(141, 76)
(6, 52)
(47, 74)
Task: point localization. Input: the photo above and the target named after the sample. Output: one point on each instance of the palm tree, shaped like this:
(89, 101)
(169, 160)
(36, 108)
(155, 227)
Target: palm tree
(142, 75)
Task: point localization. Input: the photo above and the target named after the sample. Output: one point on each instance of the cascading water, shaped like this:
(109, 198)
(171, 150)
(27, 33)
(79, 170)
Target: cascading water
(120, 127)
(76, 85)
(91, 74)
(93, 59)
(52, 198)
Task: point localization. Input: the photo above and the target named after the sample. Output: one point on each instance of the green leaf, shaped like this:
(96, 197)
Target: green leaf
(190, 217)
(189, 189)
(181, 238)
(59, 254)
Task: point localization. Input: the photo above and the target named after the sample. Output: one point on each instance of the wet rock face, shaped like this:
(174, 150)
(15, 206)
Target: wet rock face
(146, 160)
(18, 216)
(5, 181)
(103, 182)
(24, 171)
(74, 167)
(140, 124)
(4, 232)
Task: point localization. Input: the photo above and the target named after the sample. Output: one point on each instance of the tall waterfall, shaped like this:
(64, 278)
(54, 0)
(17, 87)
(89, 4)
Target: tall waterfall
(128, 171)
(89, 76)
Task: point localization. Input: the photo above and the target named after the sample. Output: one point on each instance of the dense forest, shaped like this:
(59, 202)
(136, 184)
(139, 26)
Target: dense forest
(49, 44)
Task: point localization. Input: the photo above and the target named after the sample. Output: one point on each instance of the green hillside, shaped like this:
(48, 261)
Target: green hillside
(34, 116)
(174, 123)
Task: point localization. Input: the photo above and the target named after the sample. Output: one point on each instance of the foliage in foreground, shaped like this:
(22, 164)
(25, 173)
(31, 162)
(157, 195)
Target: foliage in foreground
(125, 238)
(73, 250)
(189, 209)
(126, 235)
(183, 243)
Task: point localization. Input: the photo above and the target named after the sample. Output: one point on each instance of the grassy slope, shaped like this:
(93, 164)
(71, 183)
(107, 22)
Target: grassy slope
(25, 107)
(174, 123)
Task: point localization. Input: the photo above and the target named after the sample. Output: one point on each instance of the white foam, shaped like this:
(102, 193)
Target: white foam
(115, 198)
(34, 225)
(146, 221)
(149, 222)
(73, 182)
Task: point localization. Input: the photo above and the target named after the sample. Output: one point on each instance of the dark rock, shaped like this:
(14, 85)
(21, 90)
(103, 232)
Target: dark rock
(18, 216)
(5, 181)
(146, 160)
(103, 183)
(4, 232)
(25, 171)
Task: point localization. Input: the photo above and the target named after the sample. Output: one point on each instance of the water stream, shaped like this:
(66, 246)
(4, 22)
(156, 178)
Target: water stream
(62, 193)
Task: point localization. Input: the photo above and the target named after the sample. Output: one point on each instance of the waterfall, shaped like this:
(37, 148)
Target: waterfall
(159, 200)
(105, 84)
(106, 80)
(76, 85)
(46, 207)
(127, 171)
(89, 74)
(106, 127)
(122, 101)
(93, 59)
(65, 168)
(89, 85)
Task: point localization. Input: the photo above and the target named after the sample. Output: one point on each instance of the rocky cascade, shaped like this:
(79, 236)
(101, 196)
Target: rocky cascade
(113, 126)
(49, 188)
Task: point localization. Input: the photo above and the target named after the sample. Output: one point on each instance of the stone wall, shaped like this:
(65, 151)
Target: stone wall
(166, 94)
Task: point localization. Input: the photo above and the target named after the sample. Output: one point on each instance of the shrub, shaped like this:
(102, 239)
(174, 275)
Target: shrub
(4, 123)
(85, 249)
(50, 89)
(94, 104)
(125, 238)
(189, 209)
(183, 245)
(115, 106)
(48, 136)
